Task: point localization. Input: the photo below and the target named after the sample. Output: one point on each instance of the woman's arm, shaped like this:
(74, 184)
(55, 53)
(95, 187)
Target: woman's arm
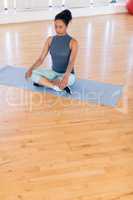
(74, 51)
(41, 58)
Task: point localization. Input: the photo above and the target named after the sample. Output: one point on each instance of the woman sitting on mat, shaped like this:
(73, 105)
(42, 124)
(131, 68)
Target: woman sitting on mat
(63, 49)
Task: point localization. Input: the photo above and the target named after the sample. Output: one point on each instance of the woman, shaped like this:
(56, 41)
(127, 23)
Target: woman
(63, 49)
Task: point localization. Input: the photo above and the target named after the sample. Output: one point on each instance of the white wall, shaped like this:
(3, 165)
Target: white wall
(26, 4)
(77, 3)
(10, 4)
(57, 2)
(18, 17)
(43, 4)
(101, 2)
(1, 4)
(32, 4)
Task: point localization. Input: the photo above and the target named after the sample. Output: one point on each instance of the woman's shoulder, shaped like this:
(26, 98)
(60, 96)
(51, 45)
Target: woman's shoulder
(49, 39)
(73, 42)
(73, 39)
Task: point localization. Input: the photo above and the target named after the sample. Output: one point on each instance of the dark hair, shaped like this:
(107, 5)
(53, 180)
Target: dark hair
(65, 15)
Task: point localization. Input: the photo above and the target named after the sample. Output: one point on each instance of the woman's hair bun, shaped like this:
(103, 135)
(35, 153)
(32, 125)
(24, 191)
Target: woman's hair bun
(65, 15)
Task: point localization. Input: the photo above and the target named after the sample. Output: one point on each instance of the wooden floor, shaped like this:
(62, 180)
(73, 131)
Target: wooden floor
(56, 149)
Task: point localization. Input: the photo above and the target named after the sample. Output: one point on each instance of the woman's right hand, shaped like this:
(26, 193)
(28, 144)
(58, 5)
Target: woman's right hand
(28, 74)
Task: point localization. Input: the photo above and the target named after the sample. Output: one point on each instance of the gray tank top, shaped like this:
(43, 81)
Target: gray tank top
(60, 52)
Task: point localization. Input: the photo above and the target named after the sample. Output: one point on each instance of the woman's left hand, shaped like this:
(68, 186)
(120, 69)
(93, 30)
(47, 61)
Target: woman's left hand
(64, 82)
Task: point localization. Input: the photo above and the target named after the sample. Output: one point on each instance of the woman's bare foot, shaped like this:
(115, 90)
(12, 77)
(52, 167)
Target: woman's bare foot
(55, 82)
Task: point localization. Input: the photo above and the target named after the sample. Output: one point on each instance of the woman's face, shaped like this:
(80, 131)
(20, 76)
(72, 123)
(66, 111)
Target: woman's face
(60, 27)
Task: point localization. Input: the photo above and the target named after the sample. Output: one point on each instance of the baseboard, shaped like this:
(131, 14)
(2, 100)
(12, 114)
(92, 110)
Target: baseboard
(7, 17)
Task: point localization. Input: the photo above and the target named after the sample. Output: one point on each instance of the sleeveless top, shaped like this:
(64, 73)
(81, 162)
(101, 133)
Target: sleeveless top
(60, 52)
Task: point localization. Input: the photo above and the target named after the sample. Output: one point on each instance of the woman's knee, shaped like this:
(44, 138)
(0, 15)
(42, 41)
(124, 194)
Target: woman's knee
(35, 78)
(72, 79)
(46, 73)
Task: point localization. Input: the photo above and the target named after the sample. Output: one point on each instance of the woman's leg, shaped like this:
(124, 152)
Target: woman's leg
(72, 79)
(49, 78)
(45, 77)
(45, 72)
(50, 83)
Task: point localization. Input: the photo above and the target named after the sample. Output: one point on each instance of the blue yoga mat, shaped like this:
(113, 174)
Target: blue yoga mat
(84, 90)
